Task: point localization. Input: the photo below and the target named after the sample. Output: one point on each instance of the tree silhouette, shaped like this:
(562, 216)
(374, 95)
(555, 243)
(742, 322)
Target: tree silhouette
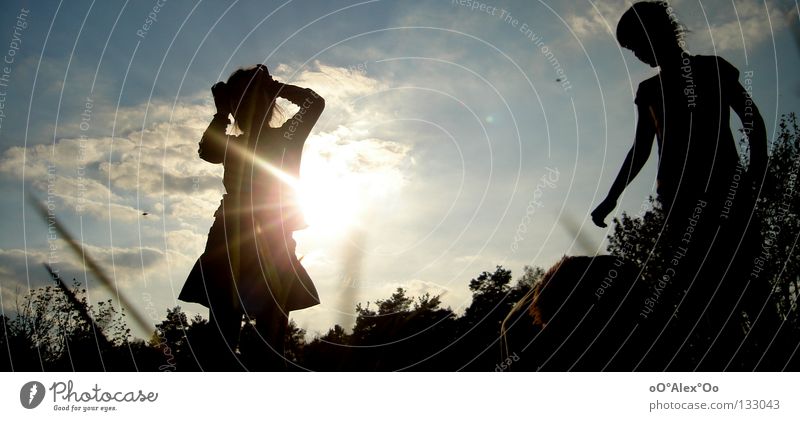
(764, 329)
(779, 208)
(50, 331)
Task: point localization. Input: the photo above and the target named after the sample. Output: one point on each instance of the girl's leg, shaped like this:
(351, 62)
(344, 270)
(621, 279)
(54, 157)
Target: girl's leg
(224, 327)
(271, 320)
(271, 326)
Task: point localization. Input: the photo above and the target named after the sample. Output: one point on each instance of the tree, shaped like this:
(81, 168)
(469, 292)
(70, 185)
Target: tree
(778, 209)
(51, 331)
(295, 342)
(774, 266)
(480, 343)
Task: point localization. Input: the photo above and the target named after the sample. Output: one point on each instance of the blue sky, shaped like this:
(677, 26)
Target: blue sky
(455, 137)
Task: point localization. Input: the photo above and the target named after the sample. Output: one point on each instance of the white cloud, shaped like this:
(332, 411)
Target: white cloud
(754, 23)
(414, 288)
(724, 32)
(156, 163)
(334, 83)
(13, 268)
(154, 169)
(598, 18)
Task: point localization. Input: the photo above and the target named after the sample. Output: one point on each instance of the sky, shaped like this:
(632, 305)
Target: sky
(457, 135)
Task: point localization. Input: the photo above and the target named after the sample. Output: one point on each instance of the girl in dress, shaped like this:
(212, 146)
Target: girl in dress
(249, 267)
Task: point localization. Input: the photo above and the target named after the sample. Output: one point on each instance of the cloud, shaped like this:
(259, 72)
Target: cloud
(342, 88)
(374, 167)
(13, 267)
(148, 182)
(599, 18)
(154, 167)
(727, 25)
(413, 287)
(22, 271)
(332, 82)
(61, 257)
(749, 24)
(102, 176)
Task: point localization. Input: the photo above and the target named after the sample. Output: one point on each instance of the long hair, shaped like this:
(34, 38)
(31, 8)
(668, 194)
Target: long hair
(251, 103)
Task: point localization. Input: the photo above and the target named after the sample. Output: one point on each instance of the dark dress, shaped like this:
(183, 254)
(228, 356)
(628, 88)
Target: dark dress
(249, 263)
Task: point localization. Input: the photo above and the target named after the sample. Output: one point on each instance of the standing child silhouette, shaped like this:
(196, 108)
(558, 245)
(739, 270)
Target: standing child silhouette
(249, 267)
(702, 186)
(686, 107)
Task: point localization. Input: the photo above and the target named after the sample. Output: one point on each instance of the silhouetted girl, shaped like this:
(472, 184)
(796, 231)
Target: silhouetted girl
(702, 186)
(249, 266)
(686, 107)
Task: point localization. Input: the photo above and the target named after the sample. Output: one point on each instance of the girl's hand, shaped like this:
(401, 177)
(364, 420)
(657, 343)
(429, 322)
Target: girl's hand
(272, 86)
(601, 212)
(221, 100)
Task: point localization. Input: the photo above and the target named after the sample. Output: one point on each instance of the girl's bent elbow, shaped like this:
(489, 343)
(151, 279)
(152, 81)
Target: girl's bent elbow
(318, 100)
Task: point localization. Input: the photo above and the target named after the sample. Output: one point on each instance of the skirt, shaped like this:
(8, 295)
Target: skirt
(249, 264)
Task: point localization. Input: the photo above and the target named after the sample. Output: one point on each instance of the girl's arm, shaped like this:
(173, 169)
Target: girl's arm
(634, 162)
(212, 144)
(295, 131)
(311, 106)
(214, 140)
(755, 130)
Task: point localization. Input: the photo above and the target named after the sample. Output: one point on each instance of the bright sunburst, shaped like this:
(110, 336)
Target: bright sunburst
(331, 198)
(341, 182)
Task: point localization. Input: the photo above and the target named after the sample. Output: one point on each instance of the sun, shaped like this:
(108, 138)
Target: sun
(331, 198)
(341, 189)
(331, 192)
